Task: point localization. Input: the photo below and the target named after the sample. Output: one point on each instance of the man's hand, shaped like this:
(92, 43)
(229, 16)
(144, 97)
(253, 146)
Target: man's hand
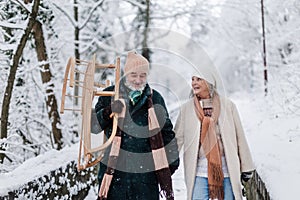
(117, 106)
(172, 169)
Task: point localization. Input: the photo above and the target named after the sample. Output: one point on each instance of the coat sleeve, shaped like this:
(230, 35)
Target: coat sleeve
(245, 157)
(179, 133)
(167, 133)
(101, 109)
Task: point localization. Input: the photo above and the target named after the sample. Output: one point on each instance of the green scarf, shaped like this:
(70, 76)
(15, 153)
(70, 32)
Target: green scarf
(135, 96)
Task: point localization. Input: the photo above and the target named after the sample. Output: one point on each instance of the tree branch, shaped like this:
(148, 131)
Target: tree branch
(134, 3)
(66, 14)
(11, 25)
(90, 15)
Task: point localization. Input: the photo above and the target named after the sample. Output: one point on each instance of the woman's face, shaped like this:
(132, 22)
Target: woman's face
(200, 87)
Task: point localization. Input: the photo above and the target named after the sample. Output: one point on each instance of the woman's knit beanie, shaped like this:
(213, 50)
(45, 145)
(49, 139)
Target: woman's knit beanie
(206, 75)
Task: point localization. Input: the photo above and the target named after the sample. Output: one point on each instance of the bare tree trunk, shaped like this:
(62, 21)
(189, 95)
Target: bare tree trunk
(146, 52)
(12, 74)
(76, 37)
(46, 78)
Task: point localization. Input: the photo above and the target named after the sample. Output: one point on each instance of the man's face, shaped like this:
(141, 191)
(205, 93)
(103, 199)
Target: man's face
(136, 80)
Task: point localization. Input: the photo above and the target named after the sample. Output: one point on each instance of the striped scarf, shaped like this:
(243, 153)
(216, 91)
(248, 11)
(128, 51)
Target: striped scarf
(210, 145)
(162, 170)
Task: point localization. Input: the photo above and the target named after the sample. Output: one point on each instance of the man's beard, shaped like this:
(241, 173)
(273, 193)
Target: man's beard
(141, 88)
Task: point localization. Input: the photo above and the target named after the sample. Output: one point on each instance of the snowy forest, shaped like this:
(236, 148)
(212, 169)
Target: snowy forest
(253, 44)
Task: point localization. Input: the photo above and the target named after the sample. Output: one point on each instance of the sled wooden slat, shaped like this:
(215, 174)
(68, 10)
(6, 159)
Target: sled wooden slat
(104, 93)
(88, 94)
(69, 95)
(72, 109)
(75, 81)
(72, 69)
(80, 72)
(100, 85)
(101, 66)
(63, 96)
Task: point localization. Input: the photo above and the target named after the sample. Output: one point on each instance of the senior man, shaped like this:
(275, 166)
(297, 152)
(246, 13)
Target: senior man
(144, 152)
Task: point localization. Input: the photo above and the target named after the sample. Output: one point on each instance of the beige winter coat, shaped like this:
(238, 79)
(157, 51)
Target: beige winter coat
(237, 153)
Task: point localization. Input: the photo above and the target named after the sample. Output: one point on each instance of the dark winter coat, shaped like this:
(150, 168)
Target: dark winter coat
(135, 162)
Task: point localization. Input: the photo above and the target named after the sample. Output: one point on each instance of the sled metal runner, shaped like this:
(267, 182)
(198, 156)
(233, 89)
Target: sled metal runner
(87, 154)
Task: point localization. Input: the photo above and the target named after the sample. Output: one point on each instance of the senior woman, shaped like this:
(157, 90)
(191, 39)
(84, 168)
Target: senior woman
(216, 154)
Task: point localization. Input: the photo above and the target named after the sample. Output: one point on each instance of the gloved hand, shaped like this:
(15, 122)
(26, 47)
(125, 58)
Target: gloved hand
(172, 169)
(117, 106)
(245, 176)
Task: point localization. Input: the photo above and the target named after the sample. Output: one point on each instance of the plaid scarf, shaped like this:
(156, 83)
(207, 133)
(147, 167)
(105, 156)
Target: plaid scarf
(210, 145)
(162, 170)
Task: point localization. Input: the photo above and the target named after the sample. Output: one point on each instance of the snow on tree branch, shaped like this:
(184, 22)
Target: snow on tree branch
(23, 5)
(135, 3)
(66, 14)
(5, 24)
(90, 14)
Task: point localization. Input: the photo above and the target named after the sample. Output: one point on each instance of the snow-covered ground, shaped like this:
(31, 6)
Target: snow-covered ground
(273, 138)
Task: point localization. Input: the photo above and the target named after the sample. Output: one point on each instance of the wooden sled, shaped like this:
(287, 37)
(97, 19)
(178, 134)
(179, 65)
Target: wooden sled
(90, 89)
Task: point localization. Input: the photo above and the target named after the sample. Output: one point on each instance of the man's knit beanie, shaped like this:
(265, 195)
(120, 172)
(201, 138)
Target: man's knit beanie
(136, 63)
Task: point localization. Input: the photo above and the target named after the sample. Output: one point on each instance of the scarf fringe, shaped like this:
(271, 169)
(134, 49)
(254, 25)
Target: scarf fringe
(165, 183)
(215, 181)
(106, 181)
(216, 192)
(216, 172)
